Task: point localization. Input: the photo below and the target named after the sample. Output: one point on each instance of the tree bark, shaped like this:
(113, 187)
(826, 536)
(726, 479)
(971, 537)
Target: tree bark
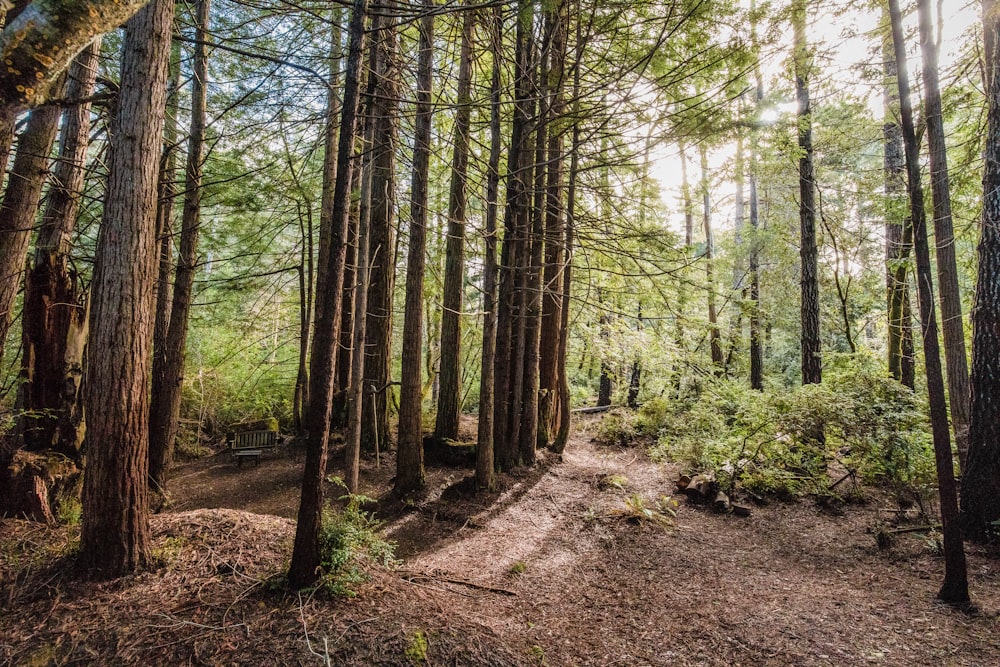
(165, 408)
(382, 239)
(115, 534)
(305, 554)
(449, 404)
(55, 315)
(955, 589)
(485, 478)
(981, 478)
(20, 207)
(949, 296)
(811, 344)
(410, 453)
(898, 230)
(714, 336)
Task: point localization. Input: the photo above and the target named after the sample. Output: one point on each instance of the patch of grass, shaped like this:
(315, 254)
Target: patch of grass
(416, 647)
(69, 510)
(517, 567)
(613, 481)
(661, 514)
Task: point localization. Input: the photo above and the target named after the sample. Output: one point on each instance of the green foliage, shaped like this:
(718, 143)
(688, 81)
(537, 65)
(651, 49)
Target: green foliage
(767, 441)
(416, 647)
(517, 567)
(69, 510)
(636, 510)
(349, 542)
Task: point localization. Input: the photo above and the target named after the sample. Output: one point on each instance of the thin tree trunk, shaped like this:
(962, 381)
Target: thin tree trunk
(382, 238)
(449, 405)
(811, 344)
(485, 478)
(165, 408)
(555, 231)
(20, 207)
(756, 344)
(714, 336)
(898, 230)
(305, 554)
(410, 453)
(114, 535)
(955, 589)
(949, 296)
(981, 477)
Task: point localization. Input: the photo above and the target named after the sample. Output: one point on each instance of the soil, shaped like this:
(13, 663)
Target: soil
(554, 569)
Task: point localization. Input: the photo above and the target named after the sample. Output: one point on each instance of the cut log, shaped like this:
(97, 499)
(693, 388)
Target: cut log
(721, 502)
(701, 488)
(741, 510)
(592, 409)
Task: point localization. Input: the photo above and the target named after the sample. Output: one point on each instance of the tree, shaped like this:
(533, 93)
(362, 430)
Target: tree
(944, 237)
(410, 452)
(449, 403)
(811, 344)
(981, 476)
(114, 535)
(955, 589)
(165, 407)
(305, 554)
(898, 229)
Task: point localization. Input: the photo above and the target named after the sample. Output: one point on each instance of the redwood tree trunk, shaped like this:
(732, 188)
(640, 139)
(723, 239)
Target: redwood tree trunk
(55, 316)
(114, 536)
(305, 553)
(812, 360)
(165, 408)
(981, 478)
(949, 297)
(955, 589)
(20, 207)
(410, 453)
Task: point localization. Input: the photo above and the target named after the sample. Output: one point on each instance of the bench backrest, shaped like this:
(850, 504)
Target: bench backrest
(254, 440)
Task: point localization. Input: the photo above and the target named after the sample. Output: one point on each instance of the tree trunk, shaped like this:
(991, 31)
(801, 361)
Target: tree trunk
(949, 296)
(20, 207)
(981, 477)
(115, 536)
(555, 231)
(756, 342)
(305, 554)
(485, 478)
(811, 344)
(955, 589)
(382, 239)
(55, 316)
(165, 408)
(898, 230)
(450, 399)
(714, 336)
(410, 454)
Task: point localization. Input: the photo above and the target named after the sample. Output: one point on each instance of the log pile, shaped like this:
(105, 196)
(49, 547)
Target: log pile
(703, 489)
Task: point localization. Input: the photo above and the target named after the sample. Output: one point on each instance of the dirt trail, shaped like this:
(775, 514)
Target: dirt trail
(545, 572)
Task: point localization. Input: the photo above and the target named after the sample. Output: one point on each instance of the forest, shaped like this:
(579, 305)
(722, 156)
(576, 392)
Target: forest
(518, 332)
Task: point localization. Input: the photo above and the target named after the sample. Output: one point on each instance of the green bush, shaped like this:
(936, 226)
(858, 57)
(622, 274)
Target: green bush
(349, 542)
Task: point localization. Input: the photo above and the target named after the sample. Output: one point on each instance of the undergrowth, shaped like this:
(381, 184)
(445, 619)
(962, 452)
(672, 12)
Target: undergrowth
(857, 425)
(350, 543)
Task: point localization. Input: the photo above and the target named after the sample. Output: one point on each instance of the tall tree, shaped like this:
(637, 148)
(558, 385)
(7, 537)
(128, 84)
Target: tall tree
(949, 296)
(714, 336)
(981, 476)
(410, 453)
(811, 344)
(114, 535)
(484, 448)
(382, 232)
(305, 554)
(20, 207)
(55, 315)
(165, 408)
(756, 339)
(955, 589)
(449, 402)
(898, 228)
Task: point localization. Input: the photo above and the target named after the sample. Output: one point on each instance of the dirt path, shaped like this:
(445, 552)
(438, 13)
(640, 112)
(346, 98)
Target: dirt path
(543, 573)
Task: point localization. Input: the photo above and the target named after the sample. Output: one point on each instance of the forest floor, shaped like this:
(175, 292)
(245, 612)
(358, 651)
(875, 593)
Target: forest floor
(545, 572)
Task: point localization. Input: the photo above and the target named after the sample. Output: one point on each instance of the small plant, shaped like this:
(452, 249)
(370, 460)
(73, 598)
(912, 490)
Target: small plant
(349, 540)
(613, 481)
(517, 567)
(416, 647)
(538, 653)
(661, 514)
(69, 510)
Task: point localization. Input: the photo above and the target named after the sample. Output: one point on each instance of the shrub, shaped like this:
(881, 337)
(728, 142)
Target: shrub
(349, 542)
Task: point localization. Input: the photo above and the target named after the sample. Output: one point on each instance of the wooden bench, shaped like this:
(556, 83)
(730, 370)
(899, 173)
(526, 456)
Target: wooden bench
(251, 445)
